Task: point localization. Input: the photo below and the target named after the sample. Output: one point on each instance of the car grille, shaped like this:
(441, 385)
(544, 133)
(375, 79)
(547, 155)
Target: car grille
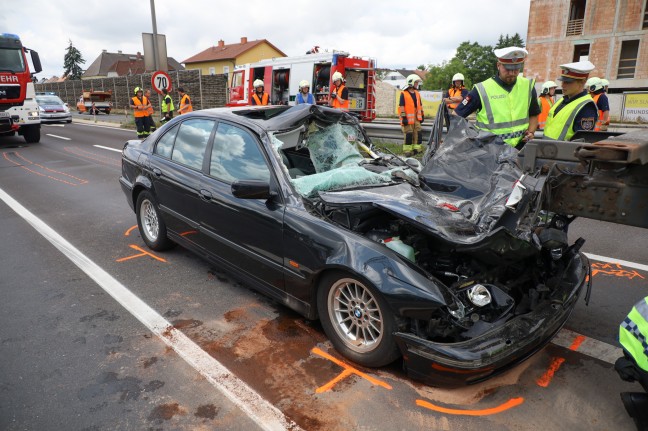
(9, 91)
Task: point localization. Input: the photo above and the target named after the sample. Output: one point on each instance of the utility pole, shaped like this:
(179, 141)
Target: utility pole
(156, 60)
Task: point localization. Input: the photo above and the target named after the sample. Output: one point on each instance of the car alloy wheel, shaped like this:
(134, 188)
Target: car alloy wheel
(151, 225)
(150, 221)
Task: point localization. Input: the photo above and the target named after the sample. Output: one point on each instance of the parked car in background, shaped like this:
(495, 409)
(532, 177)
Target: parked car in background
(397, 259)
(52, 109)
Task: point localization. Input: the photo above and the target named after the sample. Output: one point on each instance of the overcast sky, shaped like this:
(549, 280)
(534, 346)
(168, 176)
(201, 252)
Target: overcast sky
(399, 34)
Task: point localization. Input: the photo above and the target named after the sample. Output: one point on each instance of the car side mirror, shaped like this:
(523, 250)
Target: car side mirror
(252, 189)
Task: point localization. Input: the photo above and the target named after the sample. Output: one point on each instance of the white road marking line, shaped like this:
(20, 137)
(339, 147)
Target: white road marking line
(52, 125)
(267, 416)
(116, 127)
(619, 261)
(107, 148)
(59, 137)
(590, 347)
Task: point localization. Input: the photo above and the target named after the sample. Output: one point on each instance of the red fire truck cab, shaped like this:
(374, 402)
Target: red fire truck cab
(282, 75)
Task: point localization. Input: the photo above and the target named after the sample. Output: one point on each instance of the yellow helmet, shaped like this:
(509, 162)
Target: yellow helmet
(303, 83)
(137, 90)
(258, 83)
(338, 75)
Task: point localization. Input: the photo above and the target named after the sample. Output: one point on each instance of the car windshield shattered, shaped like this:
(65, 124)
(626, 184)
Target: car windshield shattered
(468, 219)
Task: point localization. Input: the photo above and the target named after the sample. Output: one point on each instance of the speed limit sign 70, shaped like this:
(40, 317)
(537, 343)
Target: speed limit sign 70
(161, 80)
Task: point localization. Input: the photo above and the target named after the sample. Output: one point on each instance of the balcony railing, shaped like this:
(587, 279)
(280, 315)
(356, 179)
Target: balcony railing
(575, 27)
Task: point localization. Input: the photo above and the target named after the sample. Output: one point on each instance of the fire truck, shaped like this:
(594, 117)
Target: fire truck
(282, 75)
(18, 107)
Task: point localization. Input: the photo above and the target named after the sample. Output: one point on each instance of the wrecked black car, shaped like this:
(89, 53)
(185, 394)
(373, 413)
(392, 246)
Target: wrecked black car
(449, 265)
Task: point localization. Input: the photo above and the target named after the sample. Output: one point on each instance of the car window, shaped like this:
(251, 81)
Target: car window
(236, 156)
(191, 141)
(165, 144)
(48, 100)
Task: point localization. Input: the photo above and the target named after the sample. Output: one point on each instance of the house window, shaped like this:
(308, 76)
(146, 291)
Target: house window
(628, 59)
(645, 20)
(581, 52)
(225, 70)
(576, 18)
(212, 71)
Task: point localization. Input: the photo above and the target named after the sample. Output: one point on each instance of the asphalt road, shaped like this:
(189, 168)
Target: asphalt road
(74, 358)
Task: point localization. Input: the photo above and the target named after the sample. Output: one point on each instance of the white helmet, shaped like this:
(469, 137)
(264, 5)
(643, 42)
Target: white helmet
(605, 82)
(258, 83)
(548, 85)
(413, 79)
(338, 75)
(594, 84)
(458, 77)
(303, 84)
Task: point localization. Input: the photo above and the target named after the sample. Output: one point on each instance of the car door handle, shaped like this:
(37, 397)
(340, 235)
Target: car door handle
(157, 172)
(205, 195)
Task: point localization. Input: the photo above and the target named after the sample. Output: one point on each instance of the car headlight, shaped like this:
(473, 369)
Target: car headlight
(479, 295)
(40, 108)
(33, 113)
(66, 109)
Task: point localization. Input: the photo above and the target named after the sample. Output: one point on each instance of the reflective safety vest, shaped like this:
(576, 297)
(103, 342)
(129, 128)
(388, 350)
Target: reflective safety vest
(633, 332)
(453, 92)
(545, 102)
(262, 101)
(503, 113)
(300, 99)
(410, 111)
(185, 104)
(167, 107)
(560, 126)
(140, 102)
(599, 122)
(337, 102)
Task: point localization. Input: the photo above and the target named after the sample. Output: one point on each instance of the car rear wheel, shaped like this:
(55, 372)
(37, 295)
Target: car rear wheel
(357, 320)
(150, 224)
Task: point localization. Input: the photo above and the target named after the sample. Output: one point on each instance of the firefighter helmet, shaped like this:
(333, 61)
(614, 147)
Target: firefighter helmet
(458, 77)
(547, 86)
(137, 90)
(338, 75)
(605, 82)
(594, 83)
(303, 84)
(412, 79)
(258, 83)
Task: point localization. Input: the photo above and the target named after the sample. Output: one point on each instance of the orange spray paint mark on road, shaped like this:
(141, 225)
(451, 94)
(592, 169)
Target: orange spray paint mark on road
(614, 269)
(513, 402)
(81, 181)
(549, 374)
(348, 371)
(577, 342)
(127, 233)
(142, 254)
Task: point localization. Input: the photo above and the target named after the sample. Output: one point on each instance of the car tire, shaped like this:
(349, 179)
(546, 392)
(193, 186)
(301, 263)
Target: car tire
(32, 134)
(151, 226)
(68, 121)
(357, 319)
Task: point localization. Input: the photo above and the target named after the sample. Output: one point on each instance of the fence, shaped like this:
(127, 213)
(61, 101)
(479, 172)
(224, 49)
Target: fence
(206, 91)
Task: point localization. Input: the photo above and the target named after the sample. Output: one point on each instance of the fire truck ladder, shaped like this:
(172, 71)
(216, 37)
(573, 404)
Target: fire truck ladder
(371, 90)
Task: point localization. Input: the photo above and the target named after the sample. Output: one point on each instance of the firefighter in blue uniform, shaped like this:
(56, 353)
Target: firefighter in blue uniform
(633, 366)
(507, 103)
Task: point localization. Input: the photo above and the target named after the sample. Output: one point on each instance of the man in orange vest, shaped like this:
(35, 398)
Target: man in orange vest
(546, 101)
(340, 94)
(150, 112)
(140, 105)
(259, 97)
(597, 91)
(185, 102)
(411, 114)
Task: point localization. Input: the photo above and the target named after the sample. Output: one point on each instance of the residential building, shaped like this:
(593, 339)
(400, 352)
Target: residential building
(612, 34)
(223, 58)
(110, 64)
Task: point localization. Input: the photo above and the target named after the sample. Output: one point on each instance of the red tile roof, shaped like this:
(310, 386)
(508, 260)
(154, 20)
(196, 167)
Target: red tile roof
(227, 52)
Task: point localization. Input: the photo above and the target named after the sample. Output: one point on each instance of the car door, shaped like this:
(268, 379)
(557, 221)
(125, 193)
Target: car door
(176, 172)
(247, 233)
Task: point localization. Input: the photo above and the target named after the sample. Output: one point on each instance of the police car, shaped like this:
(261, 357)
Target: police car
(52, 109)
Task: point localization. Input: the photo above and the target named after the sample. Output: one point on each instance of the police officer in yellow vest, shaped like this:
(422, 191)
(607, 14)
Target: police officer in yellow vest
(506, 104)
(167, 106)
(140, 105)
(633, 366)
(576, 110)
(411, 115)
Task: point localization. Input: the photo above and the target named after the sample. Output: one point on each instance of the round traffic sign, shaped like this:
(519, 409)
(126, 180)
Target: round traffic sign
(161, 80)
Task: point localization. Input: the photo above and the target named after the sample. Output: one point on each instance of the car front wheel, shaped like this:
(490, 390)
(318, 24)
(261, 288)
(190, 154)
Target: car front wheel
(150, 224)
(357, 320)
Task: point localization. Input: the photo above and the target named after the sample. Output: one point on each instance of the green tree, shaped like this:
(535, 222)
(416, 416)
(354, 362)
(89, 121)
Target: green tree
(505, 41)
(479, 61)
(72, 62)
(439, 77)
